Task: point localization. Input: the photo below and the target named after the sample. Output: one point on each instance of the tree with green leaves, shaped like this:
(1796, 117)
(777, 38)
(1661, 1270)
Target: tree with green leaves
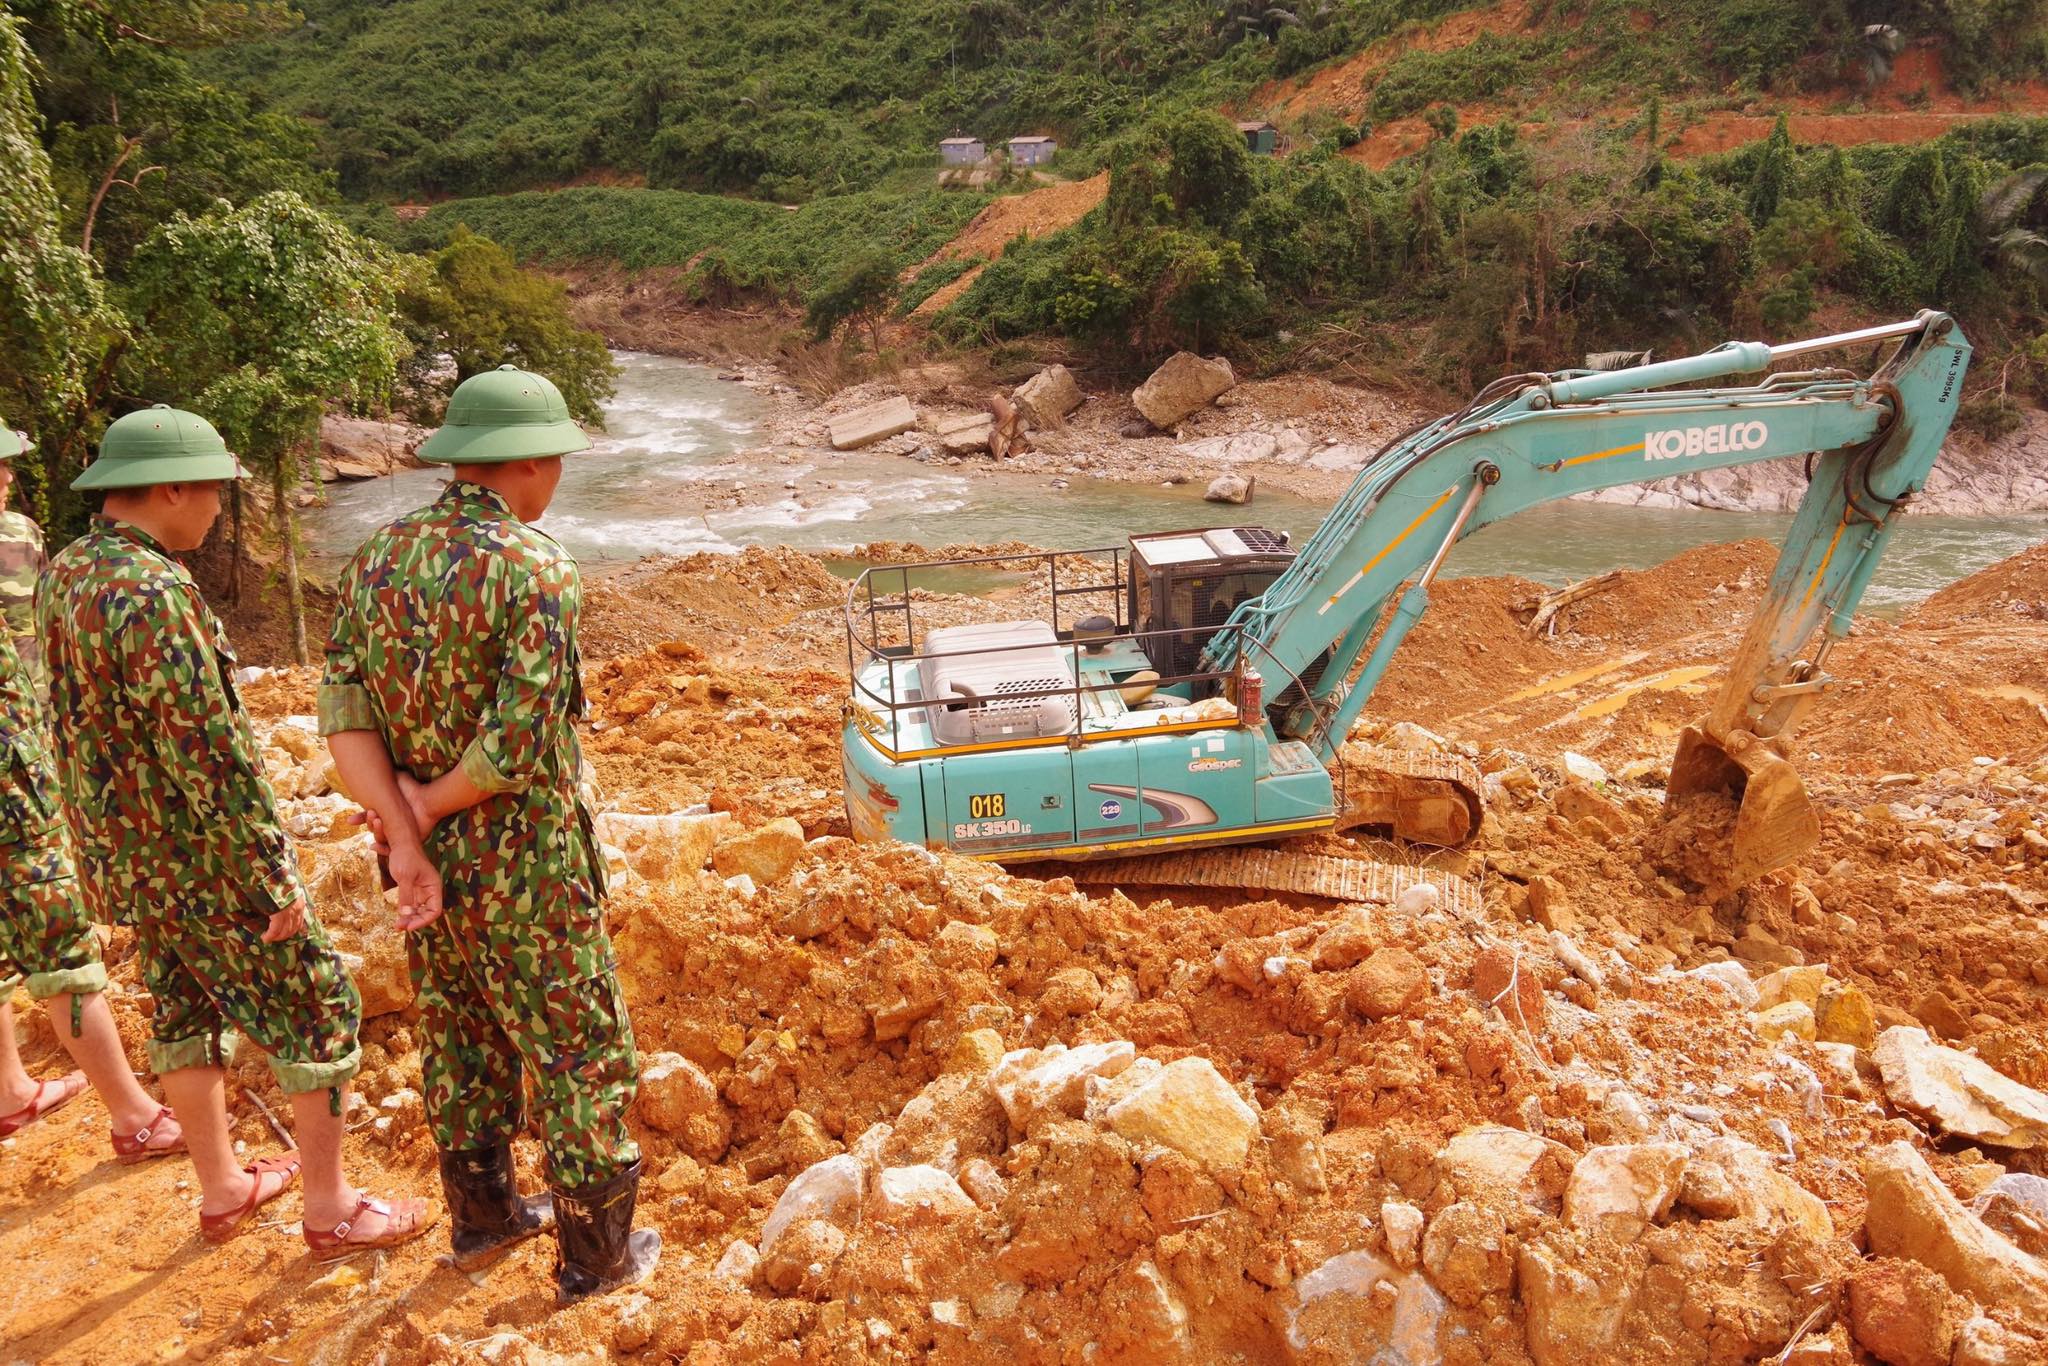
(1773, 174)
(857, 294)
(476, 306)
(58, 336)
(258, 318)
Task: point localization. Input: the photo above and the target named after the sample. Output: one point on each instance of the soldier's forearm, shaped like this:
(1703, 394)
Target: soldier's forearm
(451, 792)
(367, 772)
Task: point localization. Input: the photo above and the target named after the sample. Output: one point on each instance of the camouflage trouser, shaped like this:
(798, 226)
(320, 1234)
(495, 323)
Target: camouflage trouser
(511, 1006)
(209, 969)
(45, 935)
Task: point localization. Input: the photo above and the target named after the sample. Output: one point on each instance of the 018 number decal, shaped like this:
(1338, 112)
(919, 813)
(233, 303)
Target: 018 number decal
(985, 806)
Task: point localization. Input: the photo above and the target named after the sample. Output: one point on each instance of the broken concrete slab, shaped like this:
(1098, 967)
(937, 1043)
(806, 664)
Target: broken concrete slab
(963, 433)
(876, 422)
(1958, 1093)
(1184, 384)
(1048, 396)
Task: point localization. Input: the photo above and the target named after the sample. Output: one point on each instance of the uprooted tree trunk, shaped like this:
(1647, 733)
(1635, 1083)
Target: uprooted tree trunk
(1549, 605)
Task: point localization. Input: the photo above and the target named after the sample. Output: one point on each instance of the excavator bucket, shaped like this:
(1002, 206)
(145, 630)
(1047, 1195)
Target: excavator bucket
(1775, 821)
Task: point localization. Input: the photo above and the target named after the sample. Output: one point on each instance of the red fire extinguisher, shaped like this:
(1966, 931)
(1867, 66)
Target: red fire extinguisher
(1251, 698)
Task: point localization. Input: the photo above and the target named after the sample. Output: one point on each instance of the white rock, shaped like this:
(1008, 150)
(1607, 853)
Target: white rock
(1190, 1108)
(1403, 1226)
(1623, 1188)
(1584, 769)
(906, 1193)
(1961, 1094)
(1731, 976)
(1911, 1214)
(1336, 1315)
(1229, 488)
(1185, 383)
(830, 1190)
(1031, 1083)
(739, 1262)
(1048, 396)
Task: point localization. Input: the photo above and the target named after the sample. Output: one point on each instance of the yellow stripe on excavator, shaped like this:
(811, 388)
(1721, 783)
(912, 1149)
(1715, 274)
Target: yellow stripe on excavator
(1821, 572)
(1159, 841)
(1388, 549)
(1591, 456)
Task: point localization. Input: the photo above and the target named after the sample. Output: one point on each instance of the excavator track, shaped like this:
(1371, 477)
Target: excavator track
(1418, 797)
(1279, 870)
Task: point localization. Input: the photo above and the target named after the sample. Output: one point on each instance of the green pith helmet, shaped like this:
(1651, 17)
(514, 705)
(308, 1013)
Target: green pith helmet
(159, 445)
(504, 414)
(13, 443)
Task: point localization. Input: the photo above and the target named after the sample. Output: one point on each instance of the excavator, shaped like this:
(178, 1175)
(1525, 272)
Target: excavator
(1198, 688)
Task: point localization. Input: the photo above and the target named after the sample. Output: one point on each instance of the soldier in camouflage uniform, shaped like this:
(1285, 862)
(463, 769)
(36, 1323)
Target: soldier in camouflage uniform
(177, 831)
(46, 941)
(449, 698)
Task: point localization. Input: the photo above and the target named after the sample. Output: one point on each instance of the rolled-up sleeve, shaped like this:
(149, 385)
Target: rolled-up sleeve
(533, 693)
(344, 702)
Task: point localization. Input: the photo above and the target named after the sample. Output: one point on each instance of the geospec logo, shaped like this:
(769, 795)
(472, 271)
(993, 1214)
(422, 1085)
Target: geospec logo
(1729, 436)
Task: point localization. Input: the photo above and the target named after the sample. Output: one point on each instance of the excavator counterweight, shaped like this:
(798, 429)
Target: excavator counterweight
(1199, 688)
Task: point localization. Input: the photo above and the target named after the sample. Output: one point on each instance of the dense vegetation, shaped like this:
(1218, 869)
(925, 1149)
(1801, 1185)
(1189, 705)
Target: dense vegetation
(815, 97)
(1489, 251)
(166, 242)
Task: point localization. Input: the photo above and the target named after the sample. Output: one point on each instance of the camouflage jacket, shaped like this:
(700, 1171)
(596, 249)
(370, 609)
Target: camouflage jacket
(21, 559)
(28, 797)
(455, 640)
(157, 761)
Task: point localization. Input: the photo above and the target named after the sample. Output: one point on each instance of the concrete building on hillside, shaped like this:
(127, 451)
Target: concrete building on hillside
(1035, 150)
(961, 151)
(1260, 138)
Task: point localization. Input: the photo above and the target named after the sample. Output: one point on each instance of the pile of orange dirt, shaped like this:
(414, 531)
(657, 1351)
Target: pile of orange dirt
(1006, 218)
(2014, 588)
(901, 1106)
(710, 597)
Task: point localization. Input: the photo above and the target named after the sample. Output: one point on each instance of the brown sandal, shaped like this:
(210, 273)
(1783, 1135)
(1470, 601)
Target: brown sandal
(69, 1087)
(404, 1220)
(143, 1144)
(218, 1228)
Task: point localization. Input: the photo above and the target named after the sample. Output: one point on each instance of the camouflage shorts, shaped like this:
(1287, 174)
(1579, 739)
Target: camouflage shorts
(209, 970)
(512, 1008)
(45, 937)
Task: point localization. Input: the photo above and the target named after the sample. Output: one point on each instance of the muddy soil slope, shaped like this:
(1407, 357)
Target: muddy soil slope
(902, 1106)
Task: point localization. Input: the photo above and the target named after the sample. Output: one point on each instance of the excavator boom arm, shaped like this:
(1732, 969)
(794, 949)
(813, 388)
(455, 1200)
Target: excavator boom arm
(1534, 439)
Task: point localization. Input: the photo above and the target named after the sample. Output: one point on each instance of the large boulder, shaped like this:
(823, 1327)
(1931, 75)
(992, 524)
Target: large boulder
(1912, 1215)
(1048, 396)
(1183, 385)
(1503, 1167)
(1961, 1094)
(1190, 1108)
(1229, 488)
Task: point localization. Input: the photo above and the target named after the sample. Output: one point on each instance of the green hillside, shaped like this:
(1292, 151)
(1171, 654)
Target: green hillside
(807, 97)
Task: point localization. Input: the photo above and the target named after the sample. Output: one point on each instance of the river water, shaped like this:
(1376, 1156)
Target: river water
(673, 450)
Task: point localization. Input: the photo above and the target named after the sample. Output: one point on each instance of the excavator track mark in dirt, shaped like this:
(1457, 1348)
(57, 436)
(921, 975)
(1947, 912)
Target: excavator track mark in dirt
(1418, 797)
(1278, 870)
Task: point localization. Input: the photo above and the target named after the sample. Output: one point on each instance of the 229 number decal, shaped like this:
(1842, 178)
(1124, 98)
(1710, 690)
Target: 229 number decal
(985, 806)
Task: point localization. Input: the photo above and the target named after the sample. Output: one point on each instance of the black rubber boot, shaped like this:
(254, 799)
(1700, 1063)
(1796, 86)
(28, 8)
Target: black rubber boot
(600, 1249)
(488, 1216)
